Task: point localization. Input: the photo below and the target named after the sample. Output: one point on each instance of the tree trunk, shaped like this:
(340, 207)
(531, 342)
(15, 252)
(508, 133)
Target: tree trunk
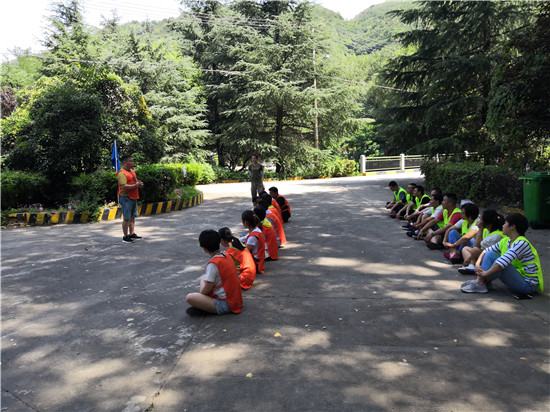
(278, 138)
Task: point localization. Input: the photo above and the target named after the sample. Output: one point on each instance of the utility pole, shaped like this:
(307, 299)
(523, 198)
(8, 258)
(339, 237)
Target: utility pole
(316, 124)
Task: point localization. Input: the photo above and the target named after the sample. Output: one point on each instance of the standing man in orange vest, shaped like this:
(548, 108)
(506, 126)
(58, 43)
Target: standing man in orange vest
(128, 190)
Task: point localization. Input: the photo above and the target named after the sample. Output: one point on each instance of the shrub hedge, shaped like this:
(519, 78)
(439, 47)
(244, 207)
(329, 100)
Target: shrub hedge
(22, 188)
(482, 184)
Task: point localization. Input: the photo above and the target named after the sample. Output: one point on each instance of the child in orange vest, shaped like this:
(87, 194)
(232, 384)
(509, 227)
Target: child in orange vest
(241, 256)
(282, 202)
(269, 234)
(254, 240)
(220, 291)
(273, 217)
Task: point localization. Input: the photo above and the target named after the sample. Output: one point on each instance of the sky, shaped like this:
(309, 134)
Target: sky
(23, 21)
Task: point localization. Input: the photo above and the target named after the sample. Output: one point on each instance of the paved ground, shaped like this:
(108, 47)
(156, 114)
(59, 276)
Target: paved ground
(355, 316)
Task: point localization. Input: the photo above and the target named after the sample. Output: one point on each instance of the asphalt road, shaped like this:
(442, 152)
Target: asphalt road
(355, 316)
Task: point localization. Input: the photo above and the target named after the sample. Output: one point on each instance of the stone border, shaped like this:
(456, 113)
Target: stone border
(146, 209)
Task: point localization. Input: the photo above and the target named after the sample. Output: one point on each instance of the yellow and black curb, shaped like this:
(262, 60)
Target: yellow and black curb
(147, 209)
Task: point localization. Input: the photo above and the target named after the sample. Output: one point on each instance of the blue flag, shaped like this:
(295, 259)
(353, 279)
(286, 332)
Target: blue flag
(114, 158)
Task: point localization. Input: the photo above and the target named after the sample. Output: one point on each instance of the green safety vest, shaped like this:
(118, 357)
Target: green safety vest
(465, 228)
(418, 201)
(437, 208)
(396, 195)
(447, 218)
(503, 246)
(496, 232)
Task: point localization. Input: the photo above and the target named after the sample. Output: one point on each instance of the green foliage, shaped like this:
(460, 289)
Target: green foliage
(20, 73)
(158, 182)
(362, 143)
(471, 66)
(197, 173)
(90, 191)
(66, 38)
(65, 126)
(21, 188)
(518, 114)
(482, 184)
(184, 192)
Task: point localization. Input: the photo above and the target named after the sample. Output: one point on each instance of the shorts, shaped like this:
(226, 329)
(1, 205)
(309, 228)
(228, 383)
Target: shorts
(129, 207)
(222, 306)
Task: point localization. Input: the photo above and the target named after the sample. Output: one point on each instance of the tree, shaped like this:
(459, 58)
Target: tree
(66, 39)
(447, 79)
(66, 126)
(168, 82)
(518, 115)
(259, 75)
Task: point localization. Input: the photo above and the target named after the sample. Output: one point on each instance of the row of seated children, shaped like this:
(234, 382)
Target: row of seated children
(227, 273)
(489, 246)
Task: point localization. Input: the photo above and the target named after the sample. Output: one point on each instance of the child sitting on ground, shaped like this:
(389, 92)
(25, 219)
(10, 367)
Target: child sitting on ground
(513, 260)
(490, 232)
(254, 240)
(450, 215)
(269, 234)
(282, 202)
(462, 233)
(429, 214)
(220, 290)
(241, 256)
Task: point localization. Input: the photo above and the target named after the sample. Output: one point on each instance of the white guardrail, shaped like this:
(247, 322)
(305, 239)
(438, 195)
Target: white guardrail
(401, 162)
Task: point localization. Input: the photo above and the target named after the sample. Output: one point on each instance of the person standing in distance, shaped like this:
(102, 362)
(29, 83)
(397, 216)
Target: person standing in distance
(128, 190)
(256, 172)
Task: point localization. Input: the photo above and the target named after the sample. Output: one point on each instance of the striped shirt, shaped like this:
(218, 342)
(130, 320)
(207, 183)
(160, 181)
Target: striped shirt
(521, 251)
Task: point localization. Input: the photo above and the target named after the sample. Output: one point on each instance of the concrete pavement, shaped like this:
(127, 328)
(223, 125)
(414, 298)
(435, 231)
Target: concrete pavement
(354, 316)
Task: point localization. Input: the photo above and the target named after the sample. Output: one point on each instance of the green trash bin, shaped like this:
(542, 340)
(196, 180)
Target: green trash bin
(536, 198)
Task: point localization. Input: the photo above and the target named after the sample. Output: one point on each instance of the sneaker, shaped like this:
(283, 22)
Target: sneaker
(406, 227)
(467, 270)
(127, 239)
(435, 246)
(474, 287)
(135, 237)
(447, 255)
(468, 282)
(456, 259)
(410, 233)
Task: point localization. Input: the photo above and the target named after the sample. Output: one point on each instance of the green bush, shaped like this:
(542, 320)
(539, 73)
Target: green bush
(159, 181)
(469, 180)
(90, 191)
(21, 188)
(197, 173)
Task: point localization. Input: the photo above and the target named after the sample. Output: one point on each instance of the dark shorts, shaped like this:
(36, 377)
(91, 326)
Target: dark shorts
(129, 207)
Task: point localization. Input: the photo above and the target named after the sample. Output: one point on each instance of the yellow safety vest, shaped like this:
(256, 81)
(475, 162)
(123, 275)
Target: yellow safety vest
(503, 246)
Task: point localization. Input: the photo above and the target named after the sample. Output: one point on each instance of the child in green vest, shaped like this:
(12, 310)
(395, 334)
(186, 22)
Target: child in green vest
(513, 260)
(489, 233)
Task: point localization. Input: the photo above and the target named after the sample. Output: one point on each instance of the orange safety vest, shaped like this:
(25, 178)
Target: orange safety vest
(230, 282)
(285, 207)
(260, 267)
(245, 264)
(131, 180)
(270, 240)
(275, 208)
(278, 225)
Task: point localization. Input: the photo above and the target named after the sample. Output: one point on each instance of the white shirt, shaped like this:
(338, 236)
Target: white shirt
(213, 275)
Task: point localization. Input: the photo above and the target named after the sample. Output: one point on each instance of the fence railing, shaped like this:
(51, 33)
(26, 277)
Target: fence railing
(401, 162)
